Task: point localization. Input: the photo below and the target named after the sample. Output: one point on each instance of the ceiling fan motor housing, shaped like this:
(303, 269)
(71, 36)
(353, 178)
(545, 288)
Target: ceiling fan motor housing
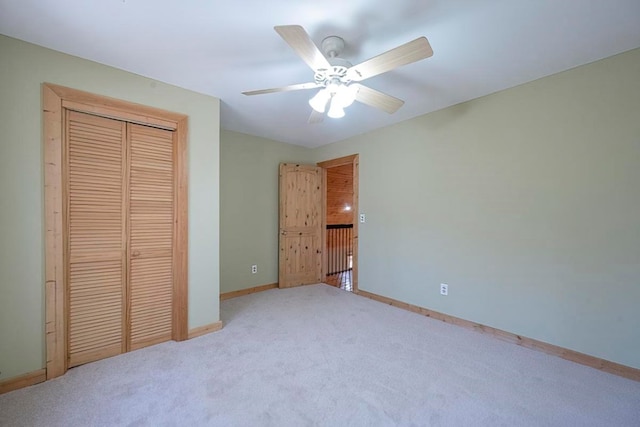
(332, 47)
(335, 74)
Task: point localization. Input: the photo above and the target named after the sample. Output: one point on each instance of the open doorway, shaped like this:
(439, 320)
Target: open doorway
(341, 231)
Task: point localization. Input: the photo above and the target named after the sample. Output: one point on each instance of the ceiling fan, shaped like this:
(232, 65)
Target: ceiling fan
(338, 79)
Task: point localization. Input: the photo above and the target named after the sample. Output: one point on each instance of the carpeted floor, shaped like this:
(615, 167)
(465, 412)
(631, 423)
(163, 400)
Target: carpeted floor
(317, 355)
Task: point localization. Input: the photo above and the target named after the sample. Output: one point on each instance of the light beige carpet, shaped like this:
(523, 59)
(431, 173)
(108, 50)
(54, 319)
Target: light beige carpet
(317, 355)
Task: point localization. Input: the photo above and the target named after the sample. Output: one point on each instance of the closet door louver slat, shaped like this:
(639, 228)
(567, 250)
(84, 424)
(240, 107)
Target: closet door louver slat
(95, 246)
(151, 235)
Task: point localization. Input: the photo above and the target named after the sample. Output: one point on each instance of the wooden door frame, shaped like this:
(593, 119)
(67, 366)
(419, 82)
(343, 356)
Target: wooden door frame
(353, 159)
(56, 100)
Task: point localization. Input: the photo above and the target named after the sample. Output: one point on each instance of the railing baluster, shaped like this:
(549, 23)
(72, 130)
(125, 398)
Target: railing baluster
(342, 243)
(340, 248)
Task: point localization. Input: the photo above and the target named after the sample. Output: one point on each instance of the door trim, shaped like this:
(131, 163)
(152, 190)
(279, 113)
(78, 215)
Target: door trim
(56, 100)
(341, 161)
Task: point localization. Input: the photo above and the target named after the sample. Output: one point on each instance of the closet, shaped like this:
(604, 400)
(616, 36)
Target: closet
(119, 212)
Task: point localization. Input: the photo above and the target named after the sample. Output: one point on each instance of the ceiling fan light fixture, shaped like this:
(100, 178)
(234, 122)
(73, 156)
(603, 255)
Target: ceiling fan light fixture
(335, 110)
(334, 86)
(345, 95)
(320, 100)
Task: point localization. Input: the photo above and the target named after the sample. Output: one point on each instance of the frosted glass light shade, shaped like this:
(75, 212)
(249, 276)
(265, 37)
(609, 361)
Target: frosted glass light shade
(335, 110)
(344, 96)
(320, 100)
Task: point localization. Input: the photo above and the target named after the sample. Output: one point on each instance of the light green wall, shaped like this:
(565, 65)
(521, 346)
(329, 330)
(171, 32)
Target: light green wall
(525, 202)
(23, 67)
(249, 207)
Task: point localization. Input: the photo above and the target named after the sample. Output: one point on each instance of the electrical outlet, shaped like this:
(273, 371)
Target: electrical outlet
(363, 218)
(444, 289)
(254, 268)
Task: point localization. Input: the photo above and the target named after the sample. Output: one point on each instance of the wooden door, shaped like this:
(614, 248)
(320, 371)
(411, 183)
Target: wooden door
(87, 164)
(301, 223)
(120, 218)
(151, 231)
(96, 244)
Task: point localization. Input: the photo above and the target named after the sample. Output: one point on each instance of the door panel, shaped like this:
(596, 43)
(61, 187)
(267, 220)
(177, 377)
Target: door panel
(151, 231)
(96, 248)
(120, 214)
(301, 205)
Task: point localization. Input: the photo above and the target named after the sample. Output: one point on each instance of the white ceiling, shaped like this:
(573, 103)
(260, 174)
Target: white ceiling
(223, 48)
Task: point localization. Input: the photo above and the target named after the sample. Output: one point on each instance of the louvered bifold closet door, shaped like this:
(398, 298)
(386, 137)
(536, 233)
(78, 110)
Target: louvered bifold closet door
(151, 234)
(95, 211)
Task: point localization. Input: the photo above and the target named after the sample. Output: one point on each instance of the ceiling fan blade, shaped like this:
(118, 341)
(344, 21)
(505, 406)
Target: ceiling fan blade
(316, 117)
(283, 89)
(406, 54)
(300, 41)
(377, 99)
